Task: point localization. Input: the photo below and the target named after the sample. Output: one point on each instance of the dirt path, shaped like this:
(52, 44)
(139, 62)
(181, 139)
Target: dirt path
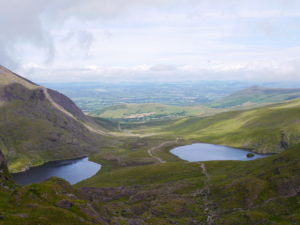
(206, 192)
(69, 114)
(164, 144)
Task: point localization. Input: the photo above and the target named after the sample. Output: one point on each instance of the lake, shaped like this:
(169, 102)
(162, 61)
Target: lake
(207, 152)
(73, 171)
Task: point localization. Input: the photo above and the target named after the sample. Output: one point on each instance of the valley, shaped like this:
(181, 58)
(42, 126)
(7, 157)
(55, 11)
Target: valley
(141, 182)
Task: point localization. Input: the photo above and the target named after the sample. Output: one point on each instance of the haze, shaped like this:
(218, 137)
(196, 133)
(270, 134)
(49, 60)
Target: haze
(149, 40)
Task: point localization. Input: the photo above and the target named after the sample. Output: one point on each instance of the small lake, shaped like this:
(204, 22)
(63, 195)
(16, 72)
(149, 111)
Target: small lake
(73, 171)
(207, 152)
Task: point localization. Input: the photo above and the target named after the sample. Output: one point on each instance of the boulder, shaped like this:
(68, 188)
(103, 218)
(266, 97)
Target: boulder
(64, 204)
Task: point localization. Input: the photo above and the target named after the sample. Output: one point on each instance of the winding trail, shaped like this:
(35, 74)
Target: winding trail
(164, 144)
(47, 95)
(206, 192)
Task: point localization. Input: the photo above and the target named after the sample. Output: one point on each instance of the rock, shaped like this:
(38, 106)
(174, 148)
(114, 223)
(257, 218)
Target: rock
(250, 155)
(2, 161)
(22, 215)
(64, 204)
(135, 222)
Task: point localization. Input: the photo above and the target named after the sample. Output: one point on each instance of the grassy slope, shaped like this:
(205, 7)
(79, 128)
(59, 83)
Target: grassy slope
(266, 129)
(33, 130)
(132, 151)
(158, 110)
(264, 191)
(255, 96)
(7, 77)
(36, 204)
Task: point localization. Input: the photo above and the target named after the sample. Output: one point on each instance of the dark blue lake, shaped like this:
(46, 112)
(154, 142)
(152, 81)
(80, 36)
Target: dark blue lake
(207, 152)
(73, 171)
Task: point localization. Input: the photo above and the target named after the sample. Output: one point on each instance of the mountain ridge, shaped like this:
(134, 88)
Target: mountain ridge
(255, 96)
(39, 124)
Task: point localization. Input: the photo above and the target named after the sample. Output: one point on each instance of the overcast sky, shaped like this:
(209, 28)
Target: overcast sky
(136, 40)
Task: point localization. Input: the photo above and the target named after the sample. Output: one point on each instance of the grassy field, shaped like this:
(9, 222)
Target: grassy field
(267, 129)
(151, 111)
(263, 191)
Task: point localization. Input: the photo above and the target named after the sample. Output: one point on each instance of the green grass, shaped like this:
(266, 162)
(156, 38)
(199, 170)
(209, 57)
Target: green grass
(150, 111)
(143, 175)
(262, 129)
(254, 96)
(263, 191)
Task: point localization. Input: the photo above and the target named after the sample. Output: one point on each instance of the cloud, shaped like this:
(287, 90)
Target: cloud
(217, 38)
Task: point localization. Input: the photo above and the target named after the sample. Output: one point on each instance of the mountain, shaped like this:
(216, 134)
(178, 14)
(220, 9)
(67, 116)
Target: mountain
(39, 124)
(256, 95)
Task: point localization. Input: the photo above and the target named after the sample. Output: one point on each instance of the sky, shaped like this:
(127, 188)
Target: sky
(151, 40)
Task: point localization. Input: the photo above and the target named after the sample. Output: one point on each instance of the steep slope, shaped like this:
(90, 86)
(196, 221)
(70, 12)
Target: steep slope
(257, 95)
(38, 124)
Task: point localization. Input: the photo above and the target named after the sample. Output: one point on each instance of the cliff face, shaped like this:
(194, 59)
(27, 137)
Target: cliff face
(39, 125)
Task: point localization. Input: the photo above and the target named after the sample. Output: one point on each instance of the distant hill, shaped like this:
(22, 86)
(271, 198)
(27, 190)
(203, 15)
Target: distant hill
(266, 129)
(151, 111)
(39, 124)
(257, 95)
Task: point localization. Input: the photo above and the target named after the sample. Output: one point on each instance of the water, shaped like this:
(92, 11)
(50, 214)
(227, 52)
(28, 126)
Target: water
(207, 152)
(73, 171)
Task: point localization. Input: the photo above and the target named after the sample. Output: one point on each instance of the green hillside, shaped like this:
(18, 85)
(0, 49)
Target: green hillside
(39, 124)
(255, 96)
(263, 191)
(140, 182)
(265, 130)
(151, 111)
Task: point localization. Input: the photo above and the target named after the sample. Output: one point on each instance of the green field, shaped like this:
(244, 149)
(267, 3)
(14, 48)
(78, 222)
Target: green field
(151, 111)
(265, 130)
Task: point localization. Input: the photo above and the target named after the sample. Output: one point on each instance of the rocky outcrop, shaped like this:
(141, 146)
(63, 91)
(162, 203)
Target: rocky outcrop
(65, 204)
(67, 104)
(2, 161)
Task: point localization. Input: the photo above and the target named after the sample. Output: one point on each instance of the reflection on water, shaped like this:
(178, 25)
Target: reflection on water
(73, 171)
(207, 152)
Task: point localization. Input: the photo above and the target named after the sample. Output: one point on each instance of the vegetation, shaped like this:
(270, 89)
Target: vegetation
(267, 129)
(96, 96)
(141, 182)
(263, 191)
(39, 125)
(254, 96)
(151, 111)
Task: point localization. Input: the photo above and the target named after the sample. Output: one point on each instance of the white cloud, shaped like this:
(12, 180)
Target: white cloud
(67, 40)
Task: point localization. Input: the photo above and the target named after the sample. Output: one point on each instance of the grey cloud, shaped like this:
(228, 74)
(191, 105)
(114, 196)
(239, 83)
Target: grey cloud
(31, 22)
(28, 22)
